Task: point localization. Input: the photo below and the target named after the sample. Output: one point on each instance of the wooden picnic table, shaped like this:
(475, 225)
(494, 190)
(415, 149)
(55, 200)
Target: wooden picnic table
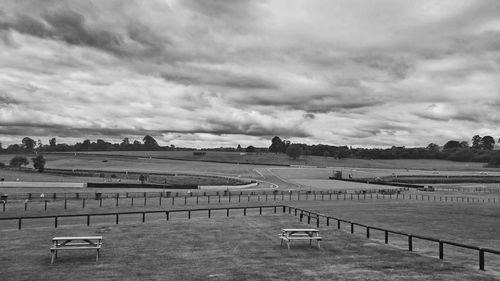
(291, 234)
(76, 243)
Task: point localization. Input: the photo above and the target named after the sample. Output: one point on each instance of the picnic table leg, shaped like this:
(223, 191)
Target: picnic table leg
(97, 256)
(53, 252)
(288, 244)
(318, 245)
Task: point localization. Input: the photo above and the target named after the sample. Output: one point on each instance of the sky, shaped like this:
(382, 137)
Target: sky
(211, 73)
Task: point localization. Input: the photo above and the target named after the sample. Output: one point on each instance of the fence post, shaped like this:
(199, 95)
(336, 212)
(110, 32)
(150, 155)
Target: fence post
(145, 198)
(386, 234)
(117, 196)
(19, 223)
(3, 206)
(338, 224)
(227, 212)
(209, 213)
(55, 222)
(275, 209)
(88, 220)
(143, 216)
(317, 221)
(173, 200)
(167, 214)
(410, 243)
(117, 215)
(352, 227)
(481, 259)
(26, 205)
(260, 210)
(244, 211)
(65, 203)
(189, 215)
(441, 250)
(301, 216)
(309, 219)
(159, 201)
(45, 205)
(368, 232)
(327, 221)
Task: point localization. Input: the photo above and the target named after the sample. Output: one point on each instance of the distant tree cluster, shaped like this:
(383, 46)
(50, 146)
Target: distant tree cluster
(480, 151)
(28, 145)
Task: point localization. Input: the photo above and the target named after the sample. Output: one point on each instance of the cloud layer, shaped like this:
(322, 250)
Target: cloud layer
(217, 73)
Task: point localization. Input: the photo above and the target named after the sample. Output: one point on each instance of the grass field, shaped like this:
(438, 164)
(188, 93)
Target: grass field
(217, 249)
(249, 249)
(282, 159)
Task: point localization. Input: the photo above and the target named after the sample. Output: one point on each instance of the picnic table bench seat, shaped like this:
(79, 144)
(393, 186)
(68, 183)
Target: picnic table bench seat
(288, 235)
(75, 243)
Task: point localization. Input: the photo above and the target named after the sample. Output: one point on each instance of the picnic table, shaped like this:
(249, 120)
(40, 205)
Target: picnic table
(290, 234)
(75, 243)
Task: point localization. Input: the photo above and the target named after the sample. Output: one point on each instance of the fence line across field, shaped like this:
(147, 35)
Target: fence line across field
(410, 237)
(302, 213)
(249, 196)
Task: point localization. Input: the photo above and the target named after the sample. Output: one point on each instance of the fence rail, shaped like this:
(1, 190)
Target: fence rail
(212, 197)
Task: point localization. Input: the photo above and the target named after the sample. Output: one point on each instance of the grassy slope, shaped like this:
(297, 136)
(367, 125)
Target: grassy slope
(217, 249)
(270, 158)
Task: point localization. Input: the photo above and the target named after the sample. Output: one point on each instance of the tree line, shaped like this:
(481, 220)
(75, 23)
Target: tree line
(29, 145)
(480, 150)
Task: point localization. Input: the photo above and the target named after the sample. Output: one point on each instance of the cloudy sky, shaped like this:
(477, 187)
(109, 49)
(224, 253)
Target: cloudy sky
(221, 73)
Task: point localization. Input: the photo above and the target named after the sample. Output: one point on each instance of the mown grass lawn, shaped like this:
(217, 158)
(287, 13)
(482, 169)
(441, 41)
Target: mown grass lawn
(220, 248)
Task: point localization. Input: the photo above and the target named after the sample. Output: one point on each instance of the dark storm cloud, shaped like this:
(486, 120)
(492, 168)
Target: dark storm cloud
(6, 100)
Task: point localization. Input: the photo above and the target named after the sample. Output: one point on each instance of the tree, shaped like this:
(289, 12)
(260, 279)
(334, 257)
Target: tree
(326, 153)
(476, 142)
(432, 147)
(250, 148)
(294, 151)
(150, 142)
(487, 143)
(17, 161)
(239, 148)
(39, 163)
(28, 143)
(451, 145)
(276, 145)
(125, 143)
(52, 142)
(464, 144)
